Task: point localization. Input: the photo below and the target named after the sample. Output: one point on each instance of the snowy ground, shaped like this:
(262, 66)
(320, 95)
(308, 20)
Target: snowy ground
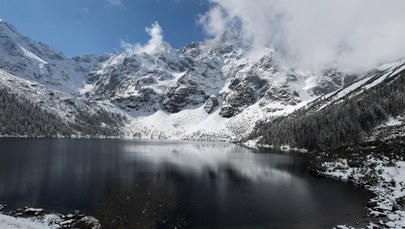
(385, 178)
(394, 127)
(33, 218)
(47, 222)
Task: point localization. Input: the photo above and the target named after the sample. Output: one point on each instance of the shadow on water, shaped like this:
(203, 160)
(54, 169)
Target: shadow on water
(167, 184)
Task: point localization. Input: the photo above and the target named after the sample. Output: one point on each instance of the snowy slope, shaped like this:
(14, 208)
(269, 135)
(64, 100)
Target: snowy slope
(205, 90)
(26, 58)
(202, 91)
(61, 103)
(367, 81)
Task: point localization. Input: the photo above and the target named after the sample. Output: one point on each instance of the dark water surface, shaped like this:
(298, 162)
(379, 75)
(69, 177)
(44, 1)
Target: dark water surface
(148, 184)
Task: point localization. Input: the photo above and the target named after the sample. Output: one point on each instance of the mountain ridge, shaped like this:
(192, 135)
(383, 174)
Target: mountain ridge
(206, 90)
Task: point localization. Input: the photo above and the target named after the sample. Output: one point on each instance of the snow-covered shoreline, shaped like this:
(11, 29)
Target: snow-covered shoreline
(36, 218)
(382, 176)
(45, 222)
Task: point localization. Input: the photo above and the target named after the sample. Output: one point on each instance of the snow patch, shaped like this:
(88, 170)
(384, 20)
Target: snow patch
(47, 222)
(390, 65)
(32, 56)
(398, 70)
(393, 122)
(186, 124)
(86, 88)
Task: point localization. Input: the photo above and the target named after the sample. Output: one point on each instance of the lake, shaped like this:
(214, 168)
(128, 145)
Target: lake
(162, 184)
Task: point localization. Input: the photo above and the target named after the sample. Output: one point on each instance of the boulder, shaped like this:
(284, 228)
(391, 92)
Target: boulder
(211, 104)
(227, 111)
(87, 222)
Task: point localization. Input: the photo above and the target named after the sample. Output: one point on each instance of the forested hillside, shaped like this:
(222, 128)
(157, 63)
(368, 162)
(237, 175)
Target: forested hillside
(21, 117)
(342, 123)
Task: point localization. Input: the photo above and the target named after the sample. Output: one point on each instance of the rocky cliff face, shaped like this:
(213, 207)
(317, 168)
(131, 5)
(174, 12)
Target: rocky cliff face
(195, 75)
(203, 90)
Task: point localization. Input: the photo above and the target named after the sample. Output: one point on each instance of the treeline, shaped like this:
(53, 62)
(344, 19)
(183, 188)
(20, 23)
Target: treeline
(21, 117)
(99, 123)
(340, 124)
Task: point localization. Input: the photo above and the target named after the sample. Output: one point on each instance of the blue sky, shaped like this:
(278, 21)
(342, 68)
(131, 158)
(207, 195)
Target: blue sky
(78, 27)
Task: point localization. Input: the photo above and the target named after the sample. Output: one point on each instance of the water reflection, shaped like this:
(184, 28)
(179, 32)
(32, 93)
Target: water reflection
(202, 158)
(158, 184)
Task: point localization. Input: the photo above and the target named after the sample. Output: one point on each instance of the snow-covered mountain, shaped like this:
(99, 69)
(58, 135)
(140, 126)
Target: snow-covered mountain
(35, 61)
(205, 90)
(370, 109)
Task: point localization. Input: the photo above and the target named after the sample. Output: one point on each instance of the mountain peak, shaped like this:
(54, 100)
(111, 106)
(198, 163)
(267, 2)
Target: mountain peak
(12, 42)
(6, 27)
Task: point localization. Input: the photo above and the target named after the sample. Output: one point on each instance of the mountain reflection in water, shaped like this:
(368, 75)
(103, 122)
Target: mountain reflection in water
(159, 184)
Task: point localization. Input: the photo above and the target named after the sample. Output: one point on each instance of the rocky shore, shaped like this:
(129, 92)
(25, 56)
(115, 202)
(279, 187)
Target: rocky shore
(36, 218)
(379, 167)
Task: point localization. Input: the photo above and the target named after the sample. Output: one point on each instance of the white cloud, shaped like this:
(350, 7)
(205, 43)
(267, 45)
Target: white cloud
(215, 22)
(312, 34)
(115, 2)
(154, 45)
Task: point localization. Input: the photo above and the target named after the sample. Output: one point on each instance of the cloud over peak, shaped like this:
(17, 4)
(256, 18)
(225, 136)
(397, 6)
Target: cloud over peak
(352, 35)
(154, 45)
